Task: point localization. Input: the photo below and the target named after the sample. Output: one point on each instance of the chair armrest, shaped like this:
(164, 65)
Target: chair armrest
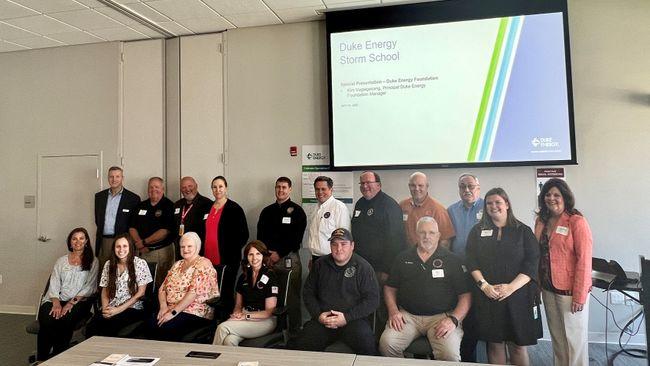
(280, 310)
(215, 302)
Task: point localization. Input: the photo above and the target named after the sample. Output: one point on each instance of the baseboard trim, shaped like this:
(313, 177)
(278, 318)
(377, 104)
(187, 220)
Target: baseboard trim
(17, 309)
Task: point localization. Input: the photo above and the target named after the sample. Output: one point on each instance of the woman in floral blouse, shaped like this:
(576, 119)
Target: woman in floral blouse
(190, 283)
(123, 282)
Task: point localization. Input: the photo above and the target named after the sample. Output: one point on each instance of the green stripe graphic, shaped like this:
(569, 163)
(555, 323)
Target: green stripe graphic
(487, 89)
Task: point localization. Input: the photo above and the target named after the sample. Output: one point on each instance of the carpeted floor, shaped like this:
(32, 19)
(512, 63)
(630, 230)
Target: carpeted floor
(16, 346)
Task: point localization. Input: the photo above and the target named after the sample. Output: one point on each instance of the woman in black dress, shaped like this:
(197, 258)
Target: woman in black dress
(502, 256)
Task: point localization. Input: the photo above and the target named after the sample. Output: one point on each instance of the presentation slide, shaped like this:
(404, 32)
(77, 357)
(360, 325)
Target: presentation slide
(489, 90)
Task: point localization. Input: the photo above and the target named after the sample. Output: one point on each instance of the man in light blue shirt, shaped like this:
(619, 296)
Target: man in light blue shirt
(465, 213)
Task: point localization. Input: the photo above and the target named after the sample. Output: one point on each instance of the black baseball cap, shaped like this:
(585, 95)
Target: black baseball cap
(341, 234)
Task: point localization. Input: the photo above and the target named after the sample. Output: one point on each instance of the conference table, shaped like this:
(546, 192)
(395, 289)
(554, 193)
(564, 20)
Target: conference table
(174, 354)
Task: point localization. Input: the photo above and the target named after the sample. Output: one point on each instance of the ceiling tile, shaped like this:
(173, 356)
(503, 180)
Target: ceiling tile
(206, 25)
(182, 9)
(119, 34)
(88, 19)
(51, 6)
(149, 12)
(10, 32)
(253, 19)
(123, 2)
(10, 10)
(38, 42)
(116, 15)
(227, 7)
(41, 24)
(301, 14)
(91, 3)
(76, 37)
(146, 30)
(289, 4)
(176, 28)
(8, 47)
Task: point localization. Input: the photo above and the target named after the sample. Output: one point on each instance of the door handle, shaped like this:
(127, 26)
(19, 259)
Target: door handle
(44, 238)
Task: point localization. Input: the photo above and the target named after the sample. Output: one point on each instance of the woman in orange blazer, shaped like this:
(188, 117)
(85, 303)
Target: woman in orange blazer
(564, 271)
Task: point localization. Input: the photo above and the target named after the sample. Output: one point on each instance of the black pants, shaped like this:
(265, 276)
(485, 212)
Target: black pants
(111, 327)
(356, 334)
(54, 334)
(175, 329)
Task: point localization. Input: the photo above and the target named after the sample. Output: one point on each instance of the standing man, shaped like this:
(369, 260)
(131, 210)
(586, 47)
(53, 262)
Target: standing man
(151, 226)
(330, 214)
(113, 208)
(421, 204)
(464, 215)
(427, 294)
(190, 213)
(340, 293)
(281, 226)
(377, 226)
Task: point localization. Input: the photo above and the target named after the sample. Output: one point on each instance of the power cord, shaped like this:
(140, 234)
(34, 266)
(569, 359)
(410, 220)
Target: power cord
(633, 352)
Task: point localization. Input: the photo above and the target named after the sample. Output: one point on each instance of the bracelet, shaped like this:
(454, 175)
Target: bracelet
(453, 319)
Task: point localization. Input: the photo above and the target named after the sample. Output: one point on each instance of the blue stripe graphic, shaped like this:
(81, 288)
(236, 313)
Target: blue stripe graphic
(498, 89)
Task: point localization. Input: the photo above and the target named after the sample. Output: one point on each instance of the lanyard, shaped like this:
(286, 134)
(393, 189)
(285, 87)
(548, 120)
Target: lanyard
(185, 212)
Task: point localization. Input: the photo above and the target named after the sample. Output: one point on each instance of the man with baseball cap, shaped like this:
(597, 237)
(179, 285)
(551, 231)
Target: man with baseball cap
(340, 293)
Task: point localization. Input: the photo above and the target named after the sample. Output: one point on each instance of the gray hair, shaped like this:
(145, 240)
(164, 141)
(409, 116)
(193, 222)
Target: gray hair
(193, 237)
(424, 219)
(418, 174)
(469, 175)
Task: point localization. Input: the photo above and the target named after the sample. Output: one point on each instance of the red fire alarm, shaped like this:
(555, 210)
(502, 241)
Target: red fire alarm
(293, 150)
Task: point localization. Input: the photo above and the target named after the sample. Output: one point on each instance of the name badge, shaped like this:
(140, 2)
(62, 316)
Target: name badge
(438, 273)
(562, 230)
(486, 232)
(405, 217)
(205, 217)
(274, 289)
(142, 212)
(357, 213)
(479, 215)
(286, 220)
(535, 314)
(177, 211)
(264, 279)
(125, 210)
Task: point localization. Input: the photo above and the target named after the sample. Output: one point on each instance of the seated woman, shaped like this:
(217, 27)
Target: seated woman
(257, 295)
(124, 281)
(73, 280)
(189, 284)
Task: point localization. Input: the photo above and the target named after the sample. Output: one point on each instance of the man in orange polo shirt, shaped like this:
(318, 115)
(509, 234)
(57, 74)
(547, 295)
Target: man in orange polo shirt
(420, 204)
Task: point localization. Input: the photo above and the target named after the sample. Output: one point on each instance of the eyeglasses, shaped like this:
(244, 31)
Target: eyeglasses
(471, 187)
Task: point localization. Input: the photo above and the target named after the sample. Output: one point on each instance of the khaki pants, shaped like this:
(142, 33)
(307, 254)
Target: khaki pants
(568, 331)
(165, 259)
(231, 332)
(393, 343)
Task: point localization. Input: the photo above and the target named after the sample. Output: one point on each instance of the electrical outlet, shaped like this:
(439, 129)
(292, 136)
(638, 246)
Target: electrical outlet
(616, 298)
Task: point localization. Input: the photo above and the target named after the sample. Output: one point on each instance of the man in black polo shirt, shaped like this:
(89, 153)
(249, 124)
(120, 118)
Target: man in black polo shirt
(150, 227)
(281, 227)
(190, 213)
(426, 295)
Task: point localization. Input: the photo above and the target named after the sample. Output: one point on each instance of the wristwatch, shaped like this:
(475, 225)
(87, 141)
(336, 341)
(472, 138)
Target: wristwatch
(480, 283)
(248, 317)
(453, 319)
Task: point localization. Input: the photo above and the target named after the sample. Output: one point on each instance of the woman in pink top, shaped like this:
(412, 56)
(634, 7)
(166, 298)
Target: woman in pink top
(183, 296)
(564, 271)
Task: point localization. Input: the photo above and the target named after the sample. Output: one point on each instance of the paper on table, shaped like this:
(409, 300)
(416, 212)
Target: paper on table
(139, 361)
(248, 363)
